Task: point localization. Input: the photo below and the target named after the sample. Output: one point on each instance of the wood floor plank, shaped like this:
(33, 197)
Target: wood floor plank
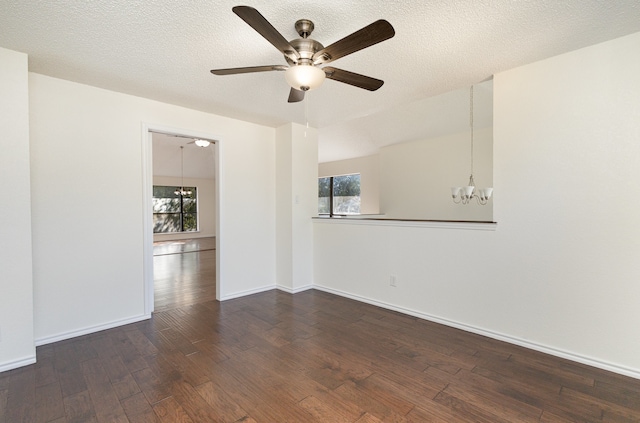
(48, 403)
(154, 387)
(105, 402)
(574, 404)
(351, 392)
(490, 392)
(434, 412)
(125, 387)
(68, 371)
(223, 404)
(349, 367)
(170, 411)
(138, 410)
(21, 395)
(141, 343)
(264, 412)
(189, 371)
(178, 341)
(192, 403)
(131, 357)
(412, 391)
(110, 357)
(494, 403)
(536, 363)
(621, 391)
(45, 372)
(469, 411)
(327, 412)
(4, 393)
(269, 385)
(369, 418)
(79, 408)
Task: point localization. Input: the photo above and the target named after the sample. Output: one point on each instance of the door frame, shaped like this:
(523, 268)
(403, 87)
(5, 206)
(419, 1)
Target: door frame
(147, 196)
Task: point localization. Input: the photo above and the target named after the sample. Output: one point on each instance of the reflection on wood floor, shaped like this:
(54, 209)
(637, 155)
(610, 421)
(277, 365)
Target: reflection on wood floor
(161, 248)
(184, 272)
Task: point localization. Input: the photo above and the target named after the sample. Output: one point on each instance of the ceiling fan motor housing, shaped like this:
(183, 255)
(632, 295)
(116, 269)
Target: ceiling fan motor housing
(304, 27)
(306, 47)
(302, 74)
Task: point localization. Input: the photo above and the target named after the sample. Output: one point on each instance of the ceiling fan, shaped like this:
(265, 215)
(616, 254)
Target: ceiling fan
(197, 141)
(305, 55)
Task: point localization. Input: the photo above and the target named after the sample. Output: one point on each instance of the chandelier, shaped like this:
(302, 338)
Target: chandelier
(180, 190)
(464, 195)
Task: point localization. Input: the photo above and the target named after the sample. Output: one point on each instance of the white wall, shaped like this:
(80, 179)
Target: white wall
(87, 205)
(297, 202)
(206, 189)
(304, 169)
(560, 271)
(16, 283)
(284, 207)
(369, 169)
(416, 177)
(412, 180)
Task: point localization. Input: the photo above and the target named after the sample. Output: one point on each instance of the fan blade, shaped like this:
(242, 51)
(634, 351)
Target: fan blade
(352, 78)
(256, 21)
(233, 71)
(295, 95)
(366, 37)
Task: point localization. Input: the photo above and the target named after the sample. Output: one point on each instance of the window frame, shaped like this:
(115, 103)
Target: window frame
(182, 213)
(331, 194)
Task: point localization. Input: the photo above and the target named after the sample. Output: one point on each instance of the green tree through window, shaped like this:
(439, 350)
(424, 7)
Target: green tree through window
(174, 212)
(339, 194)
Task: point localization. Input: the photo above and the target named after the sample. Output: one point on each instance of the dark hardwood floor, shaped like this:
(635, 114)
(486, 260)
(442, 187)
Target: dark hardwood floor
(184, 272)
(308, 357)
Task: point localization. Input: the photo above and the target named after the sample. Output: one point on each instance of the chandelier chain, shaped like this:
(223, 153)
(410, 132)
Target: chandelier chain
(181, 191)
(464, 195)
(471, 123)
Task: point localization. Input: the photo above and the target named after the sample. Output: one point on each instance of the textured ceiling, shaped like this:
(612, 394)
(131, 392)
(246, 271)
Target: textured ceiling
(164, 49)
(199, 162)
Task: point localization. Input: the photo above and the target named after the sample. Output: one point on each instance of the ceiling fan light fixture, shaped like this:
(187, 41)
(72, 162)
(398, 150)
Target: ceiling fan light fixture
(202, 143)
(304, 77)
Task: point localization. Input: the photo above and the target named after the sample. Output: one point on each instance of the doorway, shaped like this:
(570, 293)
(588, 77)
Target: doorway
(183, 256)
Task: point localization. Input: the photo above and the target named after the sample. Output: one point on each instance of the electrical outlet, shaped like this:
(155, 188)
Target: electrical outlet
(393, 280)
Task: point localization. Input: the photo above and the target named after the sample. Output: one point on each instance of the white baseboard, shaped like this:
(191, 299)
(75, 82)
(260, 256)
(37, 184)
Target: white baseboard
(294, 290)
(91, 329)
(10, 365)
(634, 373)
(248, 292)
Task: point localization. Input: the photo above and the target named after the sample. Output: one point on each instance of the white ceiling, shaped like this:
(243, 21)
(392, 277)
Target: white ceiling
(199, 162)
(164, 49)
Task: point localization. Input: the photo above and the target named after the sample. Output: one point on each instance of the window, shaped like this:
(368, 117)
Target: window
(174, 212)
(339, 195)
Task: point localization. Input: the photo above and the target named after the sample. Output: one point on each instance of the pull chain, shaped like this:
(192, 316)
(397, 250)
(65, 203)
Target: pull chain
(306, 114)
